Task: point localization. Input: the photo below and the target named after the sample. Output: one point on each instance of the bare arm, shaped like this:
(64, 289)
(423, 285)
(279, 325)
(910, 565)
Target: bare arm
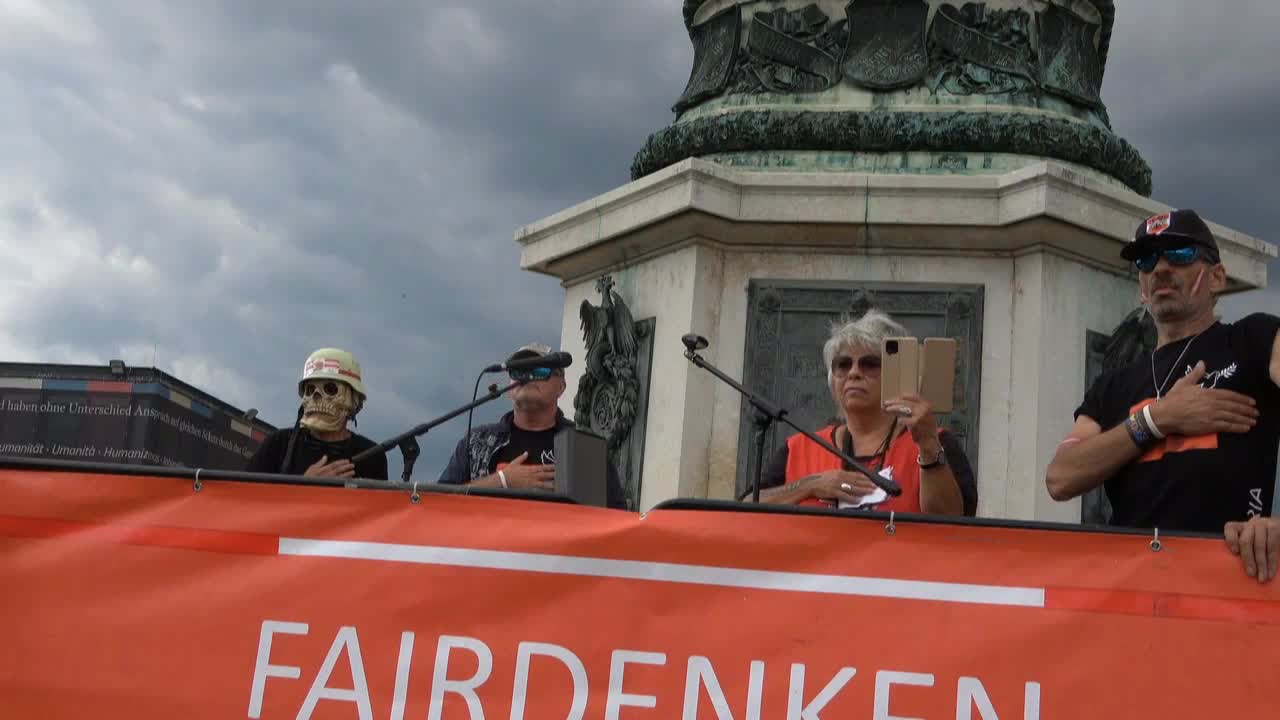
(519, 476)
(939, 489)
(1275, 361)
(790, 493)
(1087, 458)
(487, 481)
(1257, 542)
(829, 485)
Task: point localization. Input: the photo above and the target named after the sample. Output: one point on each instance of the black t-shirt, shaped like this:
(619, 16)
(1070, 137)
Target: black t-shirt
(1196, 483)
(540, 444)
(308, 449)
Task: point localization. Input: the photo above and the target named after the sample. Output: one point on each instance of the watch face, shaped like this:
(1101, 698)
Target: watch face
(938, 459)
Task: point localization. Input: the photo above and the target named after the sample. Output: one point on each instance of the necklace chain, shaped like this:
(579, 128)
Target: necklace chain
(880, 453)
(1160, 387)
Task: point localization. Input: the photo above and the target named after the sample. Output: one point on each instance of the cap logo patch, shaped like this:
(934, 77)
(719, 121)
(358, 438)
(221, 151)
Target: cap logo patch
(1157, 224)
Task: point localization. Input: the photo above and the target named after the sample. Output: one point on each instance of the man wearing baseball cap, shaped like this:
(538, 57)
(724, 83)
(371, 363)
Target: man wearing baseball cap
(518, 451)
(1187, 437)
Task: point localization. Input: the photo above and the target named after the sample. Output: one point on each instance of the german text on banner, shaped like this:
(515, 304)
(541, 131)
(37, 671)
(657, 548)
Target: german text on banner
(140, 598)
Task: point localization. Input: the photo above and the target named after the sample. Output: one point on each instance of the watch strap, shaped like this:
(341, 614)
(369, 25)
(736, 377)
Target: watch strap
(939, 459)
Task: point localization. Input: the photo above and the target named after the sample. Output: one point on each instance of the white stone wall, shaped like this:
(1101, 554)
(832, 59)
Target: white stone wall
(680, 289)
(1056, 301)
(1036, 310)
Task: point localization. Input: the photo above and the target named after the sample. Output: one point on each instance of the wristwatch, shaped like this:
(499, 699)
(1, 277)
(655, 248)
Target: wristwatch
(939, 459)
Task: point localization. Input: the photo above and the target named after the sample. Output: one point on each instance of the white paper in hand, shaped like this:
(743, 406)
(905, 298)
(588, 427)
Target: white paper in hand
(875, 496)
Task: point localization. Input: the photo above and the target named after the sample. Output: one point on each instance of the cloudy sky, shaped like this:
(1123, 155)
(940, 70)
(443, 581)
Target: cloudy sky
(220, 187)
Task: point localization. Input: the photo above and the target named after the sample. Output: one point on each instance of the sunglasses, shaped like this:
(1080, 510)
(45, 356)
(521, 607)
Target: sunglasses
(1178, 257)
(329, 388)
(868, 364)
(530, 375)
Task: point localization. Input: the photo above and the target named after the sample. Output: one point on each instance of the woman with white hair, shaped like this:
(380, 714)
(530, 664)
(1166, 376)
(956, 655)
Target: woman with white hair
(899, 439)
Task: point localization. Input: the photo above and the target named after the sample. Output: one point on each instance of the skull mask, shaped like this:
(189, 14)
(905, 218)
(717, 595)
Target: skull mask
(327, 405)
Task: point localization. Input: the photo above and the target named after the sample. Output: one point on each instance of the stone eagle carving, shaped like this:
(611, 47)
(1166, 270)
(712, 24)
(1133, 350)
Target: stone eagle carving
(1133, 337)
(609, 389)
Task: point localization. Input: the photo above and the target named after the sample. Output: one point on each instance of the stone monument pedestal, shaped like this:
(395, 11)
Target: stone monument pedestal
(1026, 261)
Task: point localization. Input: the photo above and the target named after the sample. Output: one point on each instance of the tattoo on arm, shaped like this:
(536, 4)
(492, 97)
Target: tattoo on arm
(789, 487)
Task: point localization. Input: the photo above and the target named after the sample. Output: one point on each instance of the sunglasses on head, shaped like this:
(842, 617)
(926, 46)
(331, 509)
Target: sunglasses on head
(530, 375)
(328, 388)
(1178, 257)
(867, 364)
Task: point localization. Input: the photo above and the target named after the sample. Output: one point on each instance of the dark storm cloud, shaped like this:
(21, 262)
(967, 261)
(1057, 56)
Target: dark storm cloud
(1191, 85)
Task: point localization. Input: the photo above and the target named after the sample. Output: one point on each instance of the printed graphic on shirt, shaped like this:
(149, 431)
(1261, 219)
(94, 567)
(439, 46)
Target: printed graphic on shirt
(1211, 379)
(545, 457)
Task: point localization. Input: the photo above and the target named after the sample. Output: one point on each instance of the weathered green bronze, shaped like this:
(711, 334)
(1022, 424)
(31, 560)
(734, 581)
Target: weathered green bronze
(896, 86)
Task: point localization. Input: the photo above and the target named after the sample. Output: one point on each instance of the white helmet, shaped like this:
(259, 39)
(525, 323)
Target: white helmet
(333, 364)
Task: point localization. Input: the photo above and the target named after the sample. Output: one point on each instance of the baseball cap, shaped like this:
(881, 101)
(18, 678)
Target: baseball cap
(532, 350)
(1172, 229)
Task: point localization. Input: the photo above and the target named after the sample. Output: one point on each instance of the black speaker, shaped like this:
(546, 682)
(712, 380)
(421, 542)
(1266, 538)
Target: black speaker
(582, 462)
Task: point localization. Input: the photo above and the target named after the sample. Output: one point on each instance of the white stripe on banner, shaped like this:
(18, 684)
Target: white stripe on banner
(668, 572)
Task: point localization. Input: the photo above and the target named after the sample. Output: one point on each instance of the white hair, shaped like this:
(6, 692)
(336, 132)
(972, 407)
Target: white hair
(867, 331)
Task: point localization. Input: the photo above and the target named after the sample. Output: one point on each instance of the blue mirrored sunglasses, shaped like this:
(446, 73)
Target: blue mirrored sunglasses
(1176, 256)
(530, 375)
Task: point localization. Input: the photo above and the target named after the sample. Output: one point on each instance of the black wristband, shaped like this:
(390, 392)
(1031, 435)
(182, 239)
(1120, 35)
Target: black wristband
(1139, 432)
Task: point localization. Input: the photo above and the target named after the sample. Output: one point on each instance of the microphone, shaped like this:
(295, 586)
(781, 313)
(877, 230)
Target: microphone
(555, 360)
(695, 342)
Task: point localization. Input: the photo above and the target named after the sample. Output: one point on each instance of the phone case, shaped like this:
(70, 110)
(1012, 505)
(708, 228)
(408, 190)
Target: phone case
(938, 373)
(900, 370)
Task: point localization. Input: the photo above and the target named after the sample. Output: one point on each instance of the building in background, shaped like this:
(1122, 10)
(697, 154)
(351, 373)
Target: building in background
(119, 414)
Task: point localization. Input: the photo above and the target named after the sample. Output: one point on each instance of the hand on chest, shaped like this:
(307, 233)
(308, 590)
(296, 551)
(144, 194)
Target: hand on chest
(1222, 370)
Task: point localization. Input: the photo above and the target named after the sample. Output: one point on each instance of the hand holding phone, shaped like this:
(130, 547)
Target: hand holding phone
(899, 367)
(930, 373)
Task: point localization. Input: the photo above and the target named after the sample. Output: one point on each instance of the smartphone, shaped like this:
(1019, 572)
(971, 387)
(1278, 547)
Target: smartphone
(938, 373)
(899, 367)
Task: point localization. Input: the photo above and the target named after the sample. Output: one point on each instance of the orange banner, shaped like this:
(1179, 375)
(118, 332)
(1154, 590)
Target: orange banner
(135, 597)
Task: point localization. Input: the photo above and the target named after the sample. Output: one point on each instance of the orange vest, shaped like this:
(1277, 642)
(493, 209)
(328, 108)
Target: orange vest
(901, 462)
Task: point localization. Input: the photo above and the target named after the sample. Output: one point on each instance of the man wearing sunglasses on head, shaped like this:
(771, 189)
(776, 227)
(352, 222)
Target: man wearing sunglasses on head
(1187, 437)
(518, 451)
(332, 392)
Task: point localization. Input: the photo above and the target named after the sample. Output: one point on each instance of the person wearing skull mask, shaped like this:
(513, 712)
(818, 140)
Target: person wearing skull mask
(321, 445)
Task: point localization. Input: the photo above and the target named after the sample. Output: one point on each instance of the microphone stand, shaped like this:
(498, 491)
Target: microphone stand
(765, 413)
(762, 421)
(293, 441)
(408, 441)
